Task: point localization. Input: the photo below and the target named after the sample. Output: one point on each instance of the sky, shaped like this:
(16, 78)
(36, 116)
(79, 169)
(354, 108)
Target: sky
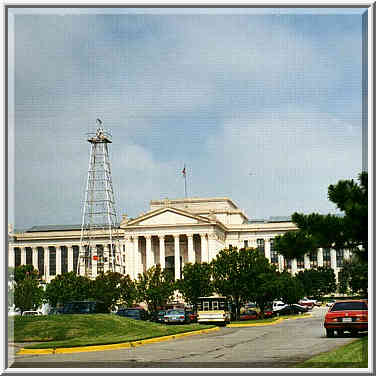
(263, 106)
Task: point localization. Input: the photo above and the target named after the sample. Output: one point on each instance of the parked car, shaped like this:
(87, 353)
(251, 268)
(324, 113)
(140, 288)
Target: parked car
(83, 307)
(347, 315)
(310, 303)
(14, 312)
(293, 309)
(176, 316)
(133, 313)
(192, 316)
(278, 305)
(158, 316)
(32, 313)
(249, 315)
(252, 307)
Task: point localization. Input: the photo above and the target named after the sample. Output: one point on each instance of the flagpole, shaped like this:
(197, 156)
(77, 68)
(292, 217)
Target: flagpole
(185, 181)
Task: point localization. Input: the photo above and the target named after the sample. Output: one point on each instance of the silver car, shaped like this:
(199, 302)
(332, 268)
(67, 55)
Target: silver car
(176, 316)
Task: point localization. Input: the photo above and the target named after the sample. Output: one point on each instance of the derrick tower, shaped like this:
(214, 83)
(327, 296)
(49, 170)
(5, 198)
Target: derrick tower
(99, 248)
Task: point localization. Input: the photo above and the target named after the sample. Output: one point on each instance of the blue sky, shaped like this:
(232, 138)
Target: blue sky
(263, 106)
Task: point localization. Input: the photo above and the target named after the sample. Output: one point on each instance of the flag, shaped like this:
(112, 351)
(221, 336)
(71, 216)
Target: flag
(183, 172)
(95, 257)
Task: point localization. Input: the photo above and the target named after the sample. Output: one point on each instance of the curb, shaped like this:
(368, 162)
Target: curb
(267, 323)
(116, 346)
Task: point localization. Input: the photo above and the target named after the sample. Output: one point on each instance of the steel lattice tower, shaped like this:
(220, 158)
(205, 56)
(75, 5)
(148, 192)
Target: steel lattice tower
(99, 214)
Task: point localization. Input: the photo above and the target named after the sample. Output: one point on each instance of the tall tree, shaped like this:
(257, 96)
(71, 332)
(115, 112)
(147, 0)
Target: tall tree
(128, 291)
(290, 288)
(67, 287)
(107, 288)
(195, 282)
(353, 277)
(155, 287)
(28, 295)
(236, 274)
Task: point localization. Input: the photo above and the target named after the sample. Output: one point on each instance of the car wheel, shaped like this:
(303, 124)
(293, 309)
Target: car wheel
(329, 333)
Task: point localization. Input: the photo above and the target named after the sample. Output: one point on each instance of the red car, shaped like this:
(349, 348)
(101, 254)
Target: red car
(347, 315)
(248, 315)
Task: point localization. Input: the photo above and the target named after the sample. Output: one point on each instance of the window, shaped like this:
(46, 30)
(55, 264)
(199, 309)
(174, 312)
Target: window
(206, 306)
(245, 243)
(29, 256)
(287, 264)
(300, 262)
(230, 247)
(261, 245)
(52, 266)
(273, 253)
(75, 257)
(313, 259)
(326, 257)
(64, 259)
(339, 254)
(17, 257)
(41, 260)
(215, 305)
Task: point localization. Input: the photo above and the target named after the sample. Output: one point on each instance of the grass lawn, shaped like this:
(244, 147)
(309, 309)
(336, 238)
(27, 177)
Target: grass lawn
(352, 355)
(94, 329)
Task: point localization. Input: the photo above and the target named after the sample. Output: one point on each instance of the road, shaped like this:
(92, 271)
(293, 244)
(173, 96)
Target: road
(281, 346)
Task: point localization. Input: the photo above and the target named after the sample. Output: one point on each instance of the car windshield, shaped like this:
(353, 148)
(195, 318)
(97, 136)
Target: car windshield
(175, 312)
(349, 306)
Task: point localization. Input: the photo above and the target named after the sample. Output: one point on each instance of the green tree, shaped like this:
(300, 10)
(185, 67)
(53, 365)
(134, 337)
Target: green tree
(128, 291)
(290, 288)
(195, 282)
(155, 287)
(236, 273)
(28, 295)
(349, 231)
(25, 271)
(107, 288)
(67, 287)
(318, 282)
(353, 277)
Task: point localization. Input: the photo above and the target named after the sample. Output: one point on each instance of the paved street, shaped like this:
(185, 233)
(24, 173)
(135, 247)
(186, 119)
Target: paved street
(280, 345)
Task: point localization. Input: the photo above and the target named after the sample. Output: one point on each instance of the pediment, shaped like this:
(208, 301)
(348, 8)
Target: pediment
(167, 216)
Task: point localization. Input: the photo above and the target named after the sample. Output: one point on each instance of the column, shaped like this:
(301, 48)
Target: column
(136, 256)
(94, 262)
(106, 256)
(46, 273)
(267, 249)
(12, 257)
(333, 259)
(294, 266)
(58, 259)
(280, 262)
(204, 248)
(23, 255)
(346, 254)
(320, 257)
(162, 251)
(306, 261)
(34, 251)
(191, 252)
(149, 261)
(70, 258)
(177, 257)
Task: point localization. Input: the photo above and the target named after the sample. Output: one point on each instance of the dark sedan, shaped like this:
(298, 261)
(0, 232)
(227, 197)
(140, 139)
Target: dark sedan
(133, 313)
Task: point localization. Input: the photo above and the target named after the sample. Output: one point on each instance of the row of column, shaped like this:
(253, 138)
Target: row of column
(136, 266)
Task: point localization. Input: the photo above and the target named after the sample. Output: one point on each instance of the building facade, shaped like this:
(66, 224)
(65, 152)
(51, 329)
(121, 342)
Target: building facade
(171, 233)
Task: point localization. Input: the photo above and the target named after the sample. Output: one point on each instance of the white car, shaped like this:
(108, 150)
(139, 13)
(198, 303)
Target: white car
(14, 312)
(32, 313)
(278, 305)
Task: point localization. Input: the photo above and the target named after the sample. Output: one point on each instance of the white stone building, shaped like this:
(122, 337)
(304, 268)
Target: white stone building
(171, 233)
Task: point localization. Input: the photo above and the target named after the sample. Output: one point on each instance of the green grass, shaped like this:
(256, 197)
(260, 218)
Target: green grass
(94, 329)
(352, 355)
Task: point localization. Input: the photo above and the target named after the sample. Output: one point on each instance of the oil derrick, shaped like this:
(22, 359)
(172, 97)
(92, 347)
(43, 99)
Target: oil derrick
(99, 245)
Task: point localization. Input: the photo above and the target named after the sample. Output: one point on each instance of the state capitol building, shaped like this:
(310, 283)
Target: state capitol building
(171, 233)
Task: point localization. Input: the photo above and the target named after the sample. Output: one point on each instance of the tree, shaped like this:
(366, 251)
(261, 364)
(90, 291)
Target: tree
(28, 295)
(349, 231)
(290, 288)
(236, 274)
(128, 291)
(195, 282)
(317, 282)
(25, 271)
(353, 277)
(155, 287)
(67, 287)
(106, 288)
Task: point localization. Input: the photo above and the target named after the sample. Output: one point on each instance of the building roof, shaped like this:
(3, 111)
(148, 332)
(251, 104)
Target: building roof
(55, 228)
